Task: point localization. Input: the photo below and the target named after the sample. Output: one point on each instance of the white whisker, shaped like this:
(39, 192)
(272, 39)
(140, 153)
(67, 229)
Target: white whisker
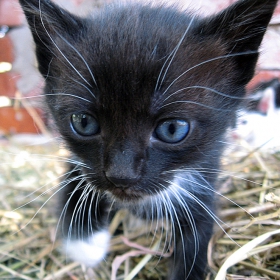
(208, 89)
(171, 56)
(205, 62)
(196, 103)
(173, 212)
(84, 61)
(57, 47)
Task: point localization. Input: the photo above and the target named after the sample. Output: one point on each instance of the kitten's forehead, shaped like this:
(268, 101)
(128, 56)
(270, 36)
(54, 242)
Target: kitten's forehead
(137, 58)
(137, 90)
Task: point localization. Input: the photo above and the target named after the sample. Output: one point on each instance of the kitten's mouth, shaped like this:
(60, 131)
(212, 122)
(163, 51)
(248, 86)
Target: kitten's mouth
(125, 189)
(126, 194)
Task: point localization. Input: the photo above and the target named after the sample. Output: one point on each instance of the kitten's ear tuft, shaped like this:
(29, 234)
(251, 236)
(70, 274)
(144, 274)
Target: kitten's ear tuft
(241, 26)
(48, 22)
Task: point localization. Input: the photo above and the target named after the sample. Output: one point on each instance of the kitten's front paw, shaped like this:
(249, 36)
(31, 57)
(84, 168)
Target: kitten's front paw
(90, 250)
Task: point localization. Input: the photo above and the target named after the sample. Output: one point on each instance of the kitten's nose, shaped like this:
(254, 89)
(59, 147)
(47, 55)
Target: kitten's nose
(122, 182)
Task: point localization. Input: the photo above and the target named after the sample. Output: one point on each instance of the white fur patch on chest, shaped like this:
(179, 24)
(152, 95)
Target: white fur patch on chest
(88, 251)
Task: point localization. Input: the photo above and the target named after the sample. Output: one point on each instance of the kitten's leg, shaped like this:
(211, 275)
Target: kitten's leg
(83, 221)
(189, 260)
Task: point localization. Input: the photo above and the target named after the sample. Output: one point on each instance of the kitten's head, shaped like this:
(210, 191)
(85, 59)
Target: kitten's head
(139, 92)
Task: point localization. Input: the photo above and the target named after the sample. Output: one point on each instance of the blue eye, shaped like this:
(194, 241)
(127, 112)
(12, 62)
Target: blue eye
(85, 124)
(172, 131)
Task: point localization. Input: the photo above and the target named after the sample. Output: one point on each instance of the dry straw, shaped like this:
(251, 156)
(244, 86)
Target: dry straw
(244, 246)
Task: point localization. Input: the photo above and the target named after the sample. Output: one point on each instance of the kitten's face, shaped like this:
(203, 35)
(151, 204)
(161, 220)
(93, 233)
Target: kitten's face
(145, 114)
(142, 93)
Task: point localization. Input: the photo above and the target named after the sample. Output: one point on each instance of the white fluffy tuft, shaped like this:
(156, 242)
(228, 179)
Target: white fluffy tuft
(89, 251)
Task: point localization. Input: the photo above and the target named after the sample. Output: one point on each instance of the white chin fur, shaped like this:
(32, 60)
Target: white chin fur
(88, 251)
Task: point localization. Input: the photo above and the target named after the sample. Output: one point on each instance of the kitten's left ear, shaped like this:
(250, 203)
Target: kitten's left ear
(48, 22)
(241, 27)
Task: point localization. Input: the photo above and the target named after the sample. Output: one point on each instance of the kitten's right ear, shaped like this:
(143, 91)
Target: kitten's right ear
(241, 27)
(49, 24)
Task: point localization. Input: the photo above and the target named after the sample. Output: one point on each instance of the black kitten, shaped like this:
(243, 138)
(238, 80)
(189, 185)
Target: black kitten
(142, 95)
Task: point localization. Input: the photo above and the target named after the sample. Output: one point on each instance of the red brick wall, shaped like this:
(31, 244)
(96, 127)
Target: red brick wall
(10, 13)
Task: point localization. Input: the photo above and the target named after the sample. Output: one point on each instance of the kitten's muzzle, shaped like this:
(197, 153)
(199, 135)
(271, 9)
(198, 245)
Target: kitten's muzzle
(123, 167)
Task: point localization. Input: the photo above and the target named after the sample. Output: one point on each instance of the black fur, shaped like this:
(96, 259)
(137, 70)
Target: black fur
(131, 68)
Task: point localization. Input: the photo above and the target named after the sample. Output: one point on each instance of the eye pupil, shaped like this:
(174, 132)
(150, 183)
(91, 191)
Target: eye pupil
(84, 124)
(172, 128)
(172, 131)
(84, 121)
